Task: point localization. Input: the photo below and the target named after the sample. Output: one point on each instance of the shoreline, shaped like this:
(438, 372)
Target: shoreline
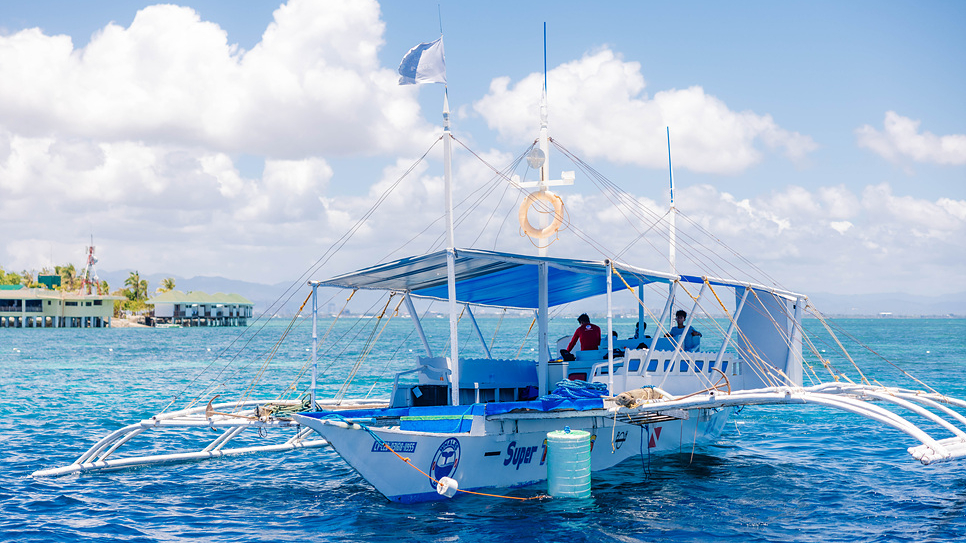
(127, 322)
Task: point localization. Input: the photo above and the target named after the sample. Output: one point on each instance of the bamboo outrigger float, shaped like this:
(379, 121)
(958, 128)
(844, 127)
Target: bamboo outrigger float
(230, 419)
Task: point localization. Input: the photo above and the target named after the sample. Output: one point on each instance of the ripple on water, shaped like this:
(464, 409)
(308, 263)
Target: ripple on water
(775, 475)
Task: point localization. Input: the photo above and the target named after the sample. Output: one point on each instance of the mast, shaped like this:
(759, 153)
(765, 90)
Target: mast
(450, 253)
(539, 158)
(671, 233)
(543, 312)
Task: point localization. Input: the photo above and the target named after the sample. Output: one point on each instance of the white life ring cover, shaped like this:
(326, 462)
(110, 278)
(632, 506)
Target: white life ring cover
(550, 198)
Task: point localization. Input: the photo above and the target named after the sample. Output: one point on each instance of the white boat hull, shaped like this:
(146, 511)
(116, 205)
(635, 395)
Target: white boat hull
(501, 452)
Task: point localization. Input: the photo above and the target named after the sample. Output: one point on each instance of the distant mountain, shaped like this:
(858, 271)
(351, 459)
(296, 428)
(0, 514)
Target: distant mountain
(262, 295)
(897, 304)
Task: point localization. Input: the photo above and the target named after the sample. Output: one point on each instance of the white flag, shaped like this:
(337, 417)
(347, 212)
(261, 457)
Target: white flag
(423, 64)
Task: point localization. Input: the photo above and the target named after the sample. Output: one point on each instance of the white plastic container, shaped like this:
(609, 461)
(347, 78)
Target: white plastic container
(568, 463)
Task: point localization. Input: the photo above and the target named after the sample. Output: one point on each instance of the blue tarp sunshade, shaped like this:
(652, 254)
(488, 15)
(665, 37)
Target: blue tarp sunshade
(495, 279)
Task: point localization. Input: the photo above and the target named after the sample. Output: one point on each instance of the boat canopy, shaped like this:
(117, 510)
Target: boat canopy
(495, 279)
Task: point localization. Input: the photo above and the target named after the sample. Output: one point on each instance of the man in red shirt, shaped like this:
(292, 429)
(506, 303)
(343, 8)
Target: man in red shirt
(587, 333)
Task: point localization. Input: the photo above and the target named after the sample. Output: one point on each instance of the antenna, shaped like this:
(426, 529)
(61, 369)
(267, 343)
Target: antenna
(90, 272)
(545, 57)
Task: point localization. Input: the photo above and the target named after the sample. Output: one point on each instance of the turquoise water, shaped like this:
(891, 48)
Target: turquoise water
(776, 474)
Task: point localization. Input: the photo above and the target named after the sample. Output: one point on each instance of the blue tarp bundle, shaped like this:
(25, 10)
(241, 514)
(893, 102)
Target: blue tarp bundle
(574, 390)
(576, 395)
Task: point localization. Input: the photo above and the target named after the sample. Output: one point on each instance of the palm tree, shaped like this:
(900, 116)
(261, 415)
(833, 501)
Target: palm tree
(167, 285)
(28, 278)
(68, 276)
(9, 278)
(133, 282)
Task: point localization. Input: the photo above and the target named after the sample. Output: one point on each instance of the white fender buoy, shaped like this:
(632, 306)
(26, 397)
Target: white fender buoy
(568, 463)
(447, 487)
(531, 199)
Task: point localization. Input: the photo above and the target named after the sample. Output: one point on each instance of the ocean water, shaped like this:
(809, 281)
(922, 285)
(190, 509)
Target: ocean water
(776, 473)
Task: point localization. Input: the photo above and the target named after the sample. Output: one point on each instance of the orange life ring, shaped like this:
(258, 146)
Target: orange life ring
(531, 199)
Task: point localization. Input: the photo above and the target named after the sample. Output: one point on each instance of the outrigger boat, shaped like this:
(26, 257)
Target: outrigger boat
(476, 423)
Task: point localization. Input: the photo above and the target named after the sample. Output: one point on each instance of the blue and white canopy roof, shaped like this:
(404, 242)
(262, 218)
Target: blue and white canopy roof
(495, 279)
(509, 280)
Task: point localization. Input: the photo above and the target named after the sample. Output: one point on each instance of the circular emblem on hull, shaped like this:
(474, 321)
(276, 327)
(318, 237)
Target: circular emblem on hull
(445, 460)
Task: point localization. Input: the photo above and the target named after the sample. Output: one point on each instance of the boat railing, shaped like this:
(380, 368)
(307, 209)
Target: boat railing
(481, 380)
(641, 362)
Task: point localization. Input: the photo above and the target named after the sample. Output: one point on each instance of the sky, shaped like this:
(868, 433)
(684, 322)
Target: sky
(823, 141)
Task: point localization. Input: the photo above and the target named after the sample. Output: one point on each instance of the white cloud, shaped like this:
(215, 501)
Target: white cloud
(838, 202)
(134, 137)
(598, 108)
(956, 208)
(840, 226)
(900, 138)
(313, 85)
(793, 234)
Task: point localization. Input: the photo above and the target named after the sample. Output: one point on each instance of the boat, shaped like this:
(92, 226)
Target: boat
(474, 424)
(456, 424)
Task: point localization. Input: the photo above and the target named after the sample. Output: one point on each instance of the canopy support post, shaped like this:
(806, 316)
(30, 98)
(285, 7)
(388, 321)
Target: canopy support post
(454, 347)
(684, 333)
(731, 329)
(479, 333)
(793, 363)
(419, 325)
(610, 334)
(543, 354)
(315, 340)
(640, 312)
(661, 330)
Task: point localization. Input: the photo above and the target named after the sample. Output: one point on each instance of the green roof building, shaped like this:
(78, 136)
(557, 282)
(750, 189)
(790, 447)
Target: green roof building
(43, 308)
(174, 308)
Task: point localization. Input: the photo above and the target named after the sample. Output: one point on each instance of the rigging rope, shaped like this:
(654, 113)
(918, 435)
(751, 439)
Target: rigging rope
(290, 291)
(524, 342)
(370, 342)
(684, 354)
(271, 355)
(497, 331)
(822, 318)
(305, 366)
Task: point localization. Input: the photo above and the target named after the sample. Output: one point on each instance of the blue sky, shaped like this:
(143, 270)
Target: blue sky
(827, 140)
